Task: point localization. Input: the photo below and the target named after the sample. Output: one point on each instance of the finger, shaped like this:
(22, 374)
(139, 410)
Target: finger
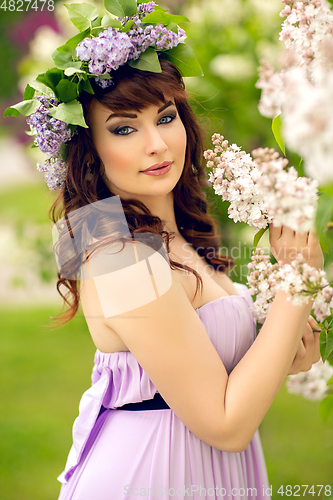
(301, 240)
(310, 341)
(313, 323)
(316, 352)
(275, 232)
(313, 239)
(297, 364)
(287, 233)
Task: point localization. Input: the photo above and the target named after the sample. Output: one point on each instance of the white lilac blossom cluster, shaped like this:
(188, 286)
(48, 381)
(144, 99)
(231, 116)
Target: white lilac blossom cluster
(303, 90)
(261, 191)
(313, 383)
(51, 134)
(298, 279)
(112, 49)
(234, 176)
(261, 283)
(291, 200)
(301, 281)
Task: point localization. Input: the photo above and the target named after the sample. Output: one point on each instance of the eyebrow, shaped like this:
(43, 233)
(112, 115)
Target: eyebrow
(133, 115)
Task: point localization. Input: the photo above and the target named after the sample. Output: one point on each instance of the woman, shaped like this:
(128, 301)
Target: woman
(196, 350)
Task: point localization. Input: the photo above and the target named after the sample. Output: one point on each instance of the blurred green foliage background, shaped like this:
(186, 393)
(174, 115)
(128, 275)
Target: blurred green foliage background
(44, 371)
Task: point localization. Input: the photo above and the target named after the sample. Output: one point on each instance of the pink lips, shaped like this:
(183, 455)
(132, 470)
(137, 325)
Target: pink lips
(158, 168)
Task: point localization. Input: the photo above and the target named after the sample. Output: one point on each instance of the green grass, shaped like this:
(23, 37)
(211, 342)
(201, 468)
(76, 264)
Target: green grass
(298, 445)
(43, 375)
(26, 203)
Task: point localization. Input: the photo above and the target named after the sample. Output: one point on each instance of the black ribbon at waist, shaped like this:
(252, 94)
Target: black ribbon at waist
(157, 403)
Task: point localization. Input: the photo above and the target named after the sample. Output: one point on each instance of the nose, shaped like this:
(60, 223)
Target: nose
(155, 144)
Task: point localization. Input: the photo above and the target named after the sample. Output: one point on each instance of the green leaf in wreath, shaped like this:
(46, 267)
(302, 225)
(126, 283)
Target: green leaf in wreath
(326, 343)
(128, 26)
(62, 59)
(70, 71)
(183, 57)
(121, 8)
(25, 108)
(277, 131)
(51, 78)
(108, 21)
(173, 27)
(75, 40)
(66, 90)
(326, 408)
(29, 92)
(258, 235)
(81, 14)
(86, 85)
(69, 112)
(148, 61)
(162, 17)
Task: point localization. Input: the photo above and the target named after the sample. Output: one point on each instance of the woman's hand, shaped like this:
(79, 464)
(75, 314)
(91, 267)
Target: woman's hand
(286, 244)
(308, 351)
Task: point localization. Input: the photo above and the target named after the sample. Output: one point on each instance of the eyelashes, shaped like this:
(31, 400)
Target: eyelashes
(164, 120)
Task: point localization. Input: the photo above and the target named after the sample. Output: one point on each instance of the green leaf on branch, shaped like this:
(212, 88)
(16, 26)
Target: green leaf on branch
(326, 343)
(29, 92)
(81, 14)
(324, 212)
(277, 131)
(66, 90)
(184, 58)
(326, 408)
(323, 243)
(330, 381)
(110, 22)
(69, 112)
(50, 78)
(121, 8)
(148, 61)
(258, 235)
(25, 108)
(162, 17)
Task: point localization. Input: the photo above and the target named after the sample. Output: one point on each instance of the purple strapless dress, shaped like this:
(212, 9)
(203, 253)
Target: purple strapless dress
(151, 453)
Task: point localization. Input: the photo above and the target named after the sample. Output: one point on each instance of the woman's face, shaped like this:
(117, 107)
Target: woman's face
(130, 142)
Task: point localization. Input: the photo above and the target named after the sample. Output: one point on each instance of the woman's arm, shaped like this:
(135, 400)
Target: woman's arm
(169, 341)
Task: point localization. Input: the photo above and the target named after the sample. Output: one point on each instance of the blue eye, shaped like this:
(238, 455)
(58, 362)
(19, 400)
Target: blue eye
(166, 119)
(123, 130)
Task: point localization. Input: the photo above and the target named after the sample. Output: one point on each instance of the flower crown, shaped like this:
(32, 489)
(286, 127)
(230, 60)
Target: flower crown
(129, 32)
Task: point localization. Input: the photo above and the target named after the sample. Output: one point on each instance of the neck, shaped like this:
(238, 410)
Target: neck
(162, 207)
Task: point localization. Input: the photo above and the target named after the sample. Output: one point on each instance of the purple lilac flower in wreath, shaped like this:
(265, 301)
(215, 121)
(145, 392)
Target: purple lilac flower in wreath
(50, 132)
(51, 135)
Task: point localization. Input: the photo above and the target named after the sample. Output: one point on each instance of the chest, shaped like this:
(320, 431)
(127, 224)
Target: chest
(214, 285)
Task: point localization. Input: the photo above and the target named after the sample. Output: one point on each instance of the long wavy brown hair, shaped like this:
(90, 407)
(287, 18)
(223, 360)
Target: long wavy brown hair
(134, 89)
